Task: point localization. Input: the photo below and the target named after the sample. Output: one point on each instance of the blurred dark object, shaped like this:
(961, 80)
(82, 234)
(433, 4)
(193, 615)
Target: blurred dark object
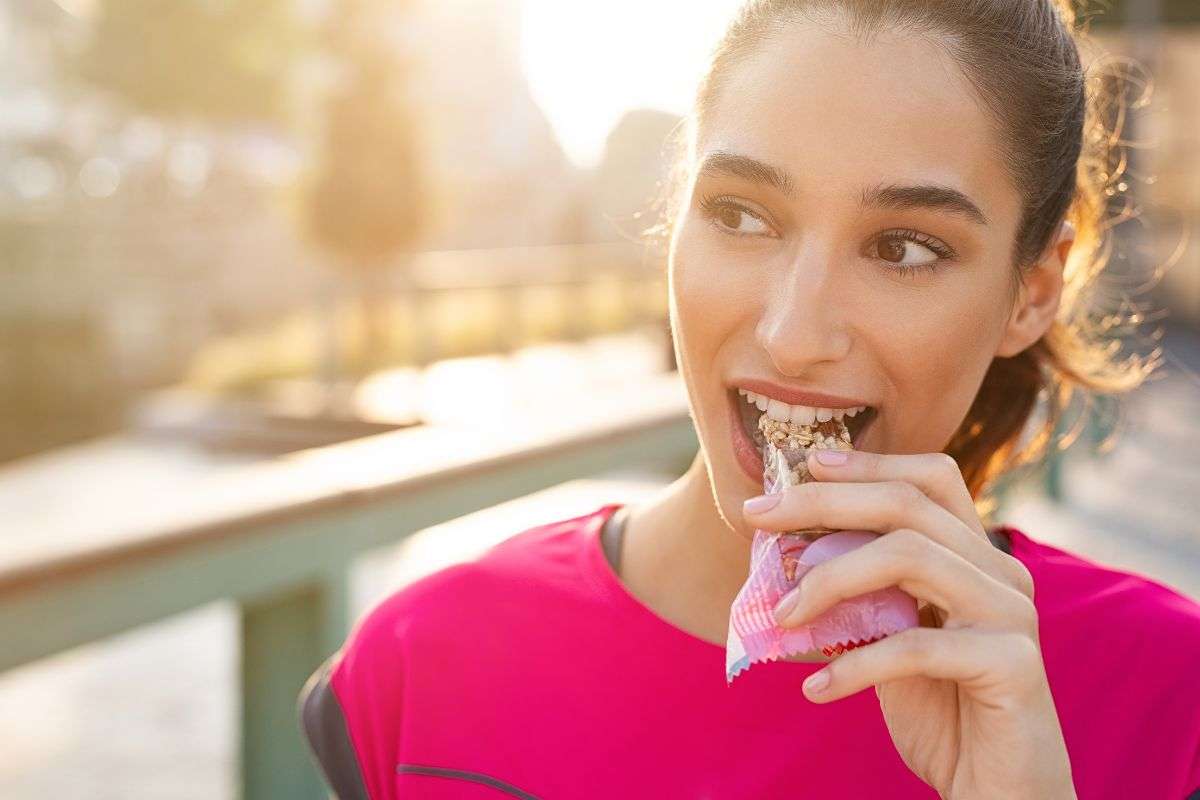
(632, 174)
(1124, 12)
(233, 425)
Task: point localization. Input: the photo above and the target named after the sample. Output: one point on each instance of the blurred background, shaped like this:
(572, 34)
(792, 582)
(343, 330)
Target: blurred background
(289, 287)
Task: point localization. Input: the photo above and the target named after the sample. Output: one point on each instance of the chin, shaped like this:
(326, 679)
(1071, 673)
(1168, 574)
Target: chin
(730, 488)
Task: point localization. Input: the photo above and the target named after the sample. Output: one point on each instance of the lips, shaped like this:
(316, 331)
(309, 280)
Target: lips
(796, 397)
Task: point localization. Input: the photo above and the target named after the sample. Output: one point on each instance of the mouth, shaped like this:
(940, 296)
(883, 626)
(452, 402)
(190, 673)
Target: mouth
(747, 407)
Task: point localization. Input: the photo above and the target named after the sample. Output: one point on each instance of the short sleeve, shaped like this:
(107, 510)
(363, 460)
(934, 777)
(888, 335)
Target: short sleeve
(351, 708)
(323, 724)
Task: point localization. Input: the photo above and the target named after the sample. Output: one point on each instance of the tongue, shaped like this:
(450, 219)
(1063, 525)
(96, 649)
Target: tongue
(858, 422)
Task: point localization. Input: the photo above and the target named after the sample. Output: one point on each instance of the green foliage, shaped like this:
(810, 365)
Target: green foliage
(210, 60)
(365, 201)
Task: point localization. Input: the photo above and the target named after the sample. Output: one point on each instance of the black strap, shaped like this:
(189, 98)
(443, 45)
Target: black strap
(611, 535)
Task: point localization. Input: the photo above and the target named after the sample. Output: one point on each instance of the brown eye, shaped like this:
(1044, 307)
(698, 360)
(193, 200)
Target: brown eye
(905, 248)
(730, 217)
(890, 250)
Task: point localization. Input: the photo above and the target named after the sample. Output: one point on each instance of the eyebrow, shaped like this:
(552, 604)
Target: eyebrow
(884, 195)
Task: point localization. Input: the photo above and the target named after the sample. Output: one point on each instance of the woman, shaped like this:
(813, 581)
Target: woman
(886, 203)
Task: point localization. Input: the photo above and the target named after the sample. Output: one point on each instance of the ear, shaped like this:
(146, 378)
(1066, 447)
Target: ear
(1038, 295)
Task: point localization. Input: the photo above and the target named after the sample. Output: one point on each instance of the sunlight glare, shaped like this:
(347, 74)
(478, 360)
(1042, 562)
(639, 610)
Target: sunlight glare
(588, 63)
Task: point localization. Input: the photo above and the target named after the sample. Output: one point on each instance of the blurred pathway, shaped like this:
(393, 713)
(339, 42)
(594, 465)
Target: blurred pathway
(1138, 506)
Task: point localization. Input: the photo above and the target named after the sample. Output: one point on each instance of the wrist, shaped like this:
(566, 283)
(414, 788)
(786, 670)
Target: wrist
(1063, 789)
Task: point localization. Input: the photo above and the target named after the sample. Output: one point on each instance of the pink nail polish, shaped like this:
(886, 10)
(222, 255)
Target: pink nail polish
(817, 682)
(764, 502)
(785, 606)
(832, 458)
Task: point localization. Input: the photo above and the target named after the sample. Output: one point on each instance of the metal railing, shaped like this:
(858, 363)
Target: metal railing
(278, 538)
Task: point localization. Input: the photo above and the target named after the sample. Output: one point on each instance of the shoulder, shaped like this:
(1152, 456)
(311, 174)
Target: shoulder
(1079, 589)
(1121, 652)
(1083, 599)
(353, 708)
(526, 569)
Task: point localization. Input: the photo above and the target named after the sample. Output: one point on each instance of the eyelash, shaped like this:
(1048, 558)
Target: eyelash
(942, 251)
(710, 205)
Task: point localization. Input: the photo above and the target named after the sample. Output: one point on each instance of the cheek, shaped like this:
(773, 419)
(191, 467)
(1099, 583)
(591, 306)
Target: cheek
(937, 357)
(708, 299)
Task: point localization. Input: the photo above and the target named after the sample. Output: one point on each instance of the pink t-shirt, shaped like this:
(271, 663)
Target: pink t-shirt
(532, 672)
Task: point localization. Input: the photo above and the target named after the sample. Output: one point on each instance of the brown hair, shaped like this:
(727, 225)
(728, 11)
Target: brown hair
(1059, 126)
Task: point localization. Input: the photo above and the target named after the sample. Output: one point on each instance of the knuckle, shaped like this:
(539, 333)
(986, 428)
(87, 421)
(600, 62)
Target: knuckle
(1022, 651)
(796, 497)
(808, 500)
(915, 644)
(908, 546)
(872, 465)
(792, 491)
(1022, 578)
(817, 581)
(945, 467)
(804, 492)
(904, 495)
(1025, 613)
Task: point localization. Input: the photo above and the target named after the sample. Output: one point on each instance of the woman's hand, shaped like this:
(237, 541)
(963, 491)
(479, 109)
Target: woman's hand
(967, 703)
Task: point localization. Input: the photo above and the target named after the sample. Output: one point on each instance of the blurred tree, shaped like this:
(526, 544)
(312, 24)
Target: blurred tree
(364, 204)
(204, 60)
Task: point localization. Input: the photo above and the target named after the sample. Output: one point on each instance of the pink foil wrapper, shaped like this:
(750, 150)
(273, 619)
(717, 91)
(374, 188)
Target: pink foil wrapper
(777, 563)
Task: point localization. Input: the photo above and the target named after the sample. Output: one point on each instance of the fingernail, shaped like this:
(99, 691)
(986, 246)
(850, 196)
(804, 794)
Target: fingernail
(817, 682)
(832, 458)
(787, 604)
(764, 502)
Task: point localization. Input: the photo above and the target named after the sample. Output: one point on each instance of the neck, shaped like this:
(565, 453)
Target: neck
(682, 560)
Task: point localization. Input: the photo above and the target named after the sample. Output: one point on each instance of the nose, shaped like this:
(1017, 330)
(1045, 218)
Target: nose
(803, 318)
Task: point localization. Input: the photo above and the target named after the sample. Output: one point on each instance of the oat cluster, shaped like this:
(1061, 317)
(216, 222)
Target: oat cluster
(787, 445)
(831, 435)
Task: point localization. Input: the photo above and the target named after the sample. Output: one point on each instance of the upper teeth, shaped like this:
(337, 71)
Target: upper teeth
(801, 415)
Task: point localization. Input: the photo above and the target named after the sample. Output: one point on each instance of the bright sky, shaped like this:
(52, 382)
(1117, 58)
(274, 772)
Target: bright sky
(589, 62)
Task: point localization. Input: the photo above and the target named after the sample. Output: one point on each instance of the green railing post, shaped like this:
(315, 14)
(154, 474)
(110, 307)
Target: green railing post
(1053, 481)
(285, 637)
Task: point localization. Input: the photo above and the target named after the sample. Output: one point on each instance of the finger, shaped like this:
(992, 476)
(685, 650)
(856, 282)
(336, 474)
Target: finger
(979, 661)
(884, 507)
(938, 477)
(922, 568)
(936, 474)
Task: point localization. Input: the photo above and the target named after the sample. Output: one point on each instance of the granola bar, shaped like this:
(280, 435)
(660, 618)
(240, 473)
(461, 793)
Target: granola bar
(785, 462)
(779, 560)
(793, 441)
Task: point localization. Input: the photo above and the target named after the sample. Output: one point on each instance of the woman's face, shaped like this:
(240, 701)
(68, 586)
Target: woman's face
(846, 231)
